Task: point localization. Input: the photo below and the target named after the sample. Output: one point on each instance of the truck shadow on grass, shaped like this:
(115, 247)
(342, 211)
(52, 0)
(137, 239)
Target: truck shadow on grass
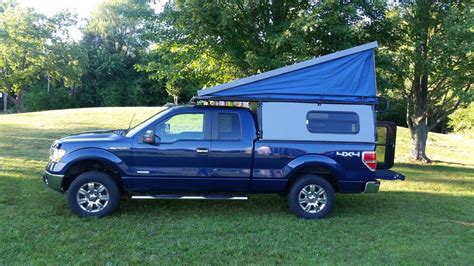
(446, 167)
(461, 177)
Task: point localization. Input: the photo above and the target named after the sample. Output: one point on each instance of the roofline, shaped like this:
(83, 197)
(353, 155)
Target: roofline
(363, 100)
(286, 69)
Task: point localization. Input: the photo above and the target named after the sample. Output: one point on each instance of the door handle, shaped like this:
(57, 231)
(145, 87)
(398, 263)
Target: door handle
(202, 151)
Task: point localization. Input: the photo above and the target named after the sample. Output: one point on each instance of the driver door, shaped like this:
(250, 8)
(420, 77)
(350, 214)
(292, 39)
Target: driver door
(178, 161)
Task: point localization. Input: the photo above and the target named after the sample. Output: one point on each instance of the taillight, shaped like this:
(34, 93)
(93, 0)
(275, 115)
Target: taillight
(369, 158)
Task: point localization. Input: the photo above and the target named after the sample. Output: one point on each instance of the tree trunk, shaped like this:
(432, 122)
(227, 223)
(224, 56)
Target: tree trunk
(417, 104)
(20, 107)
(5, 102)
(419, 137)
(175, 99)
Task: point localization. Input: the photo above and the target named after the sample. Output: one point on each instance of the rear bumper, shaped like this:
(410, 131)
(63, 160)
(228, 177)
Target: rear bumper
(372, 187)
(53, 181)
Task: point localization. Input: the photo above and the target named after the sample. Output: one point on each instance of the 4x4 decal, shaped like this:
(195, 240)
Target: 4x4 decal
(348, 153)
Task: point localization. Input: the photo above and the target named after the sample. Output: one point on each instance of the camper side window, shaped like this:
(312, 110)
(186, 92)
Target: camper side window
(332, 122)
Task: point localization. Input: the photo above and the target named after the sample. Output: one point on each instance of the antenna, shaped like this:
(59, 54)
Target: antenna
(131, 120)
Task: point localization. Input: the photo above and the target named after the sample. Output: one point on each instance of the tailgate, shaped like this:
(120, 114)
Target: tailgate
(388, 175)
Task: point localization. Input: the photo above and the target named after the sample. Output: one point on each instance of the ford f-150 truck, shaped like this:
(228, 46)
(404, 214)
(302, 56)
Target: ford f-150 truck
(301, 145)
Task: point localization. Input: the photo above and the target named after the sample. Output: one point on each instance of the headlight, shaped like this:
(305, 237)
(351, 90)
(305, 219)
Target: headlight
(57, 154)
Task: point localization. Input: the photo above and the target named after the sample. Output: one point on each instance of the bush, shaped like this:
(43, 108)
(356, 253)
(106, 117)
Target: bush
(38, 99)
(462, 121)
(396, 112)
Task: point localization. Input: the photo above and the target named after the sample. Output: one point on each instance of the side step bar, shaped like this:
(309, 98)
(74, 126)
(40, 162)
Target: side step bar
(196, 197)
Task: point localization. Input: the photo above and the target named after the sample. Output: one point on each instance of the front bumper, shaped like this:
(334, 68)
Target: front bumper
(53, 181)
(372, 187)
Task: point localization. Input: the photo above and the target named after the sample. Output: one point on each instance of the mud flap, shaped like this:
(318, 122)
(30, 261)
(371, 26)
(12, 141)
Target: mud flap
(388, 175)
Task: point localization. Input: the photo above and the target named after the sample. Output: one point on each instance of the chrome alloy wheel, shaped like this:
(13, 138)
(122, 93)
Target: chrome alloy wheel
(92, 197)
(312, 198)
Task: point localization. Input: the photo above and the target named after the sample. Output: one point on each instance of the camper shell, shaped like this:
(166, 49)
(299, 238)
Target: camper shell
(328, 99)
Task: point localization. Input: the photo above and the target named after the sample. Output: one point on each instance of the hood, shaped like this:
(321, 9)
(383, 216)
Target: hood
(102, 135)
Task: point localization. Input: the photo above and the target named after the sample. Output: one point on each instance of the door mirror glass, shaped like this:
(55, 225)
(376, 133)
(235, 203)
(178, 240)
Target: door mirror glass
(386, 136)
(149, 137)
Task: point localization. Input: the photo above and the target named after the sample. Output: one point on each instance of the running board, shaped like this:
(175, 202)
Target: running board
(183, 197)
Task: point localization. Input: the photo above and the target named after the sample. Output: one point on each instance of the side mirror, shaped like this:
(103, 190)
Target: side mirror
(149, 137)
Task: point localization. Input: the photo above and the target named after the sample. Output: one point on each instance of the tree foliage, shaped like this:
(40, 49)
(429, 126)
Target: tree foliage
(115, 39)
(462, 120)
(203, 43)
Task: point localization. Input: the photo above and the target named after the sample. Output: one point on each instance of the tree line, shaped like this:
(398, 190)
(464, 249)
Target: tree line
(130, 55)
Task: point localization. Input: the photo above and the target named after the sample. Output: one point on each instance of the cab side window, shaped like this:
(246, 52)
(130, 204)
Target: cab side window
(181, 127)
(229, 127)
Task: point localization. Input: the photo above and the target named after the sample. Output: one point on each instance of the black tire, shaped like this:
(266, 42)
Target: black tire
(96, 178)
(316, 209)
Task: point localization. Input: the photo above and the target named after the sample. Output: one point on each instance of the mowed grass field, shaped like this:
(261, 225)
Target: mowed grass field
(427, 219)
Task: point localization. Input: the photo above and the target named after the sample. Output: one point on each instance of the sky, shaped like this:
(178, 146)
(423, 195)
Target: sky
(83, 9)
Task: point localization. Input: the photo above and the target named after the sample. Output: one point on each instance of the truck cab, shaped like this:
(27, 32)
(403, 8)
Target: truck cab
(201, 149)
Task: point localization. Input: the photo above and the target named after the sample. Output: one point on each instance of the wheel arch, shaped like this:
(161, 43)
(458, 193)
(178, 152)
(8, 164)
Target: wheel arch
(92, 160)
(321, 165)
(87, 165)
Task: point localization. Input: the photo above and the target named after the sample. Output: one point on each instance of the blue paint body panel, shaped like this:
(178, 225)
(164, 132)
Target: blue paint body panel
(277, 161)
(245, 165)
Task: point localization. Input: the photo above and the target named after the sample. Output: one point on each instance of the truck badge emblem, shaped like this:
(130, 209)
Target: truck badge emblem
(348, 153)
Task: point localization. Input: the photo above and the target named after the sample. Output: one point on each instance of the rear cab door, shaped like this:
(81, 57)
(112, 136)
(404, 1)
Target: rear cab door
(231, 154)
(386, 141)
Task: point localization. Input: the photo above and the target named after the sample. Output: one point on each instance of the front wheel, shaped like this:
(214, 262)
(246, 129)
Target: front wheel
(93, 194)
(311, 197)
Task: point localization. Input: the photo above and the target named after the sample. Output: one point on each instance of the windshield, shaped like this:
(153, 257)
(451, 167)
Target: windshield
(146, 122)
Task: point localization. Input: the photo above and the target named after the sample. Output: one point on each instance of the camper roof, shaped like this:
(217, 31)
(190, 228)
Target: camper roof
(344, 76)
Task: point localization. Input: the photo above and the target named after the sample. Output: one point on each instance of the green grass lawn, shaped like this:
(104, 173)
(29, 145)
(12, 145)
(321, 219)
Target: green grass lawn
(427, 219)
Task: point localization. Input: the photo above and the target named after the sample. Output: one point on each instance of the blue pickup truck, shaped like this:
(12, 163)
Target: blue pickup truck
(304, 145)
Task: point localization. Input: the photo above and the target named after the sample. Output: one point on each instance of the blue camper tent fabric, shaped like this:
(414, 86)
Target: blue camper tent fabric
(349, 78)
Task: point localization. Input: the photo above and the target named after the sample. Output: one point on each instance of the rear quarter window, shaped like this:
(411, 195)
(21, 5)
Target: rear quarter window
(332, 122)
(229, 127)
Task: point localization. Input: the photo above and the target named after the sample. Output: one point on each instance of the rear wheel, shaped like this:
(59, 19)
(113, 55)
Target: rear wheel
(311, 197)
(93, 194)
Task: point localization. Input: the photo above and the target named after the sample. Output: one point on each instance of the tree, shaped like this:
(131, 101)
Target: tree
(183, 68)
(198, 39)
(432, 64)
(27, 41)
(22, 46)
(115, 39)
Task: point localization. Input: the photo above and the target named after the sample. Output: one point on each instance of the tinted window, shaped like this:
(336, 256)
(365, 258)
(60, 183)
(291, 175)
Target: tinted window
(229, 127)
(181, 127)
(332, 122)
